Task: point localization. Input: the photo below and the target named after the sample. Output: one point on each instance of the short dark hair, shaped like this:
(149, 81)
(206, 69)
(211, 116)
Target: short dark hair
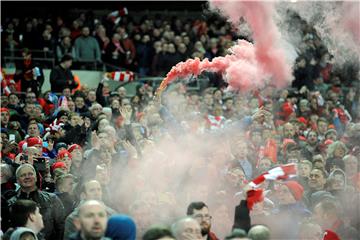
(66, 57)
(195, 205)
(20, 212)
(323, 172)
(236, 233)
(156, 233)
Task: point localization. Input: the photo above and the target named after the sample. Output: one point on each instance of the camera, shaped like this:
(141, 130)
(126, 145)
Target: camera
(40, 164)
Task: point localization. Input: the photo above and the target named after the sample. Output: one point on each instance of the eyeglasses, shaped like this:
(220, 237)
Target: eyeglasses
(205, 217)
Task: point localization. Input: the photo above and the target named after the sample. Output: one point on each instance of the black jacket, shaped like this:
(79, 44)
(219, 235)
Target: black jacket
(60, 78)
(51, 209)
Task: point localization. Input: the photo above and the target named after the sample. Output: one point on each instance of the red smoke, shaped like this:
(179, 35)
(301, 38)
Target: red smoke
(247, 66)
(351, 19)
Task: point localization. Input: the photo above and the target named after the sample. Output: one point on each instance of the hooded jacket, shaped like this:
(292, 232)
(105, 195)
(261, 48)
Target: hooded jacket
(16, 235)
(121, 227)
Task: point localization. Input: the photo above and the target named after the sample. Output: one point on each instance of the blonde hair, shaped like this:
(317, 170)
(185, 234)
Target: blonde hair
(332, 147)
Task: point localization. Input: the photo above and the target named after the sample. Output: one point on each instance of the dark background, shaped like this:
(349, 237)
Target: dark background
(48, 8)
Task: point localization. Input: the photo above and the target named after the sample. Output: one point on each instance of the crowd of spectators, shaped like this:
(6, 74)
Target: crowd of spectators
(72, 162)
(150, 46)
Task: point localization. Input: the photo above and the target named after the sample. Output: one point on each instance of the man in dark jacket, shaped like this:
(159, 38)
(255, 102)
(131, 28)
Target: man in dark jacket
(50, 205)
(29, 73)
(61, 76)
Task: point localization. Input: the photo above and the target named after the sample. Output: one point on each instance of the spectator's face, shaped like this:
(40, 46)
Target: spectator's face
(240, 150)
(92, 96)
(102, 124)
(26, 178)
(236, 177)
(304, 170)
(33, 130)
(66, 92)
(4, 100)
(93, 191)
(284, 195)
(338, 182)
(115, 104)
(182, 48)
(264, 165)
(289, 130)
(122, 92)
(64, 118)
(29, 109)
(208, 100)
(77, 157)
(189, 230)
(4, 117)
(331, 136)
(13, 99)
(104, 140)
(339, 152)
(71, 106)
(171, 48)
(322, 127)
(79, 102)
(316, 179)
(4, 138)
(96, 110)
(85, 31)
(39, 148)
(203, 217)
(67, 41)
(312, 138)
(93, 221)
(30, 98)
(303, 106)
(75, 120)
(67, 160)
(67, 185)
(37, 220)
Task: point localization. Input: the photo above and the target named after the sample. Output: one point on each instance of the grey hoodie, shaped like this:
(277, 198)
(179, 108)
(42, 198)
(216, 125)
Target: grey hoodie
(16, 235)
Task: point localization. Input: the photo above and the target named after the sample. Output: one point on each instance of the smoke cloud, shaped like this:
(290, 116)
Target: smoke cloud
(248, 66)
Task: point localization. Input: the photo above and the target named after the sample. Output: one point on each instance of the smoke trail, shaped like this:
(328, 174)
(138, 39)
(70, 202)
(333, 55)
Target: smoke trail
(265, 34)
(248, 65)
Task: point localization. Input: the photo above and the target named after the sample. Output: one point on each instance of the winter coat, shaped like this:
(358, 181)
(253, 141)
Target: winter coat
(77, 236)
(16, 235)
(51, 209)
(59, 79)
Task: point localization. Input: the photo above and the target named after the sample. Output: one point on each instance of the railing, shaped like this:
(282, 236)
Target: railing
(11, 56)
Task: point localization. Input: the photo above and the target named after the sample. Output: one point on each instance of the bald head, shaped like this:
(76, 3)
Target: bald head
(186, 228)
(259, 232)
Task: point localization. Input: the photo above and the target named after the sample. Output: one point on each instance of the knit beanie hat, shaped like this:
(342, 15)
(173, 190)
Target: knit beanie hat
(63, 153)
(296, 189)
(33, 141)
(121, 227)
(74, 147)
(58, 165)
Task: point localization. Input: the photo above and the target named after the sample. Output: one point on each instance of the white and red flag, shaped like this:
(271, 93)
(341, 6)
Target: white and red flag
(282, 172)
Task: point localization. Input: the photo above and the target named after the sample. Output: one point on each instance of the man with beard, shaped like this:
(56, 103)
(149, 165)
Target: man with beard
(200, 212)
